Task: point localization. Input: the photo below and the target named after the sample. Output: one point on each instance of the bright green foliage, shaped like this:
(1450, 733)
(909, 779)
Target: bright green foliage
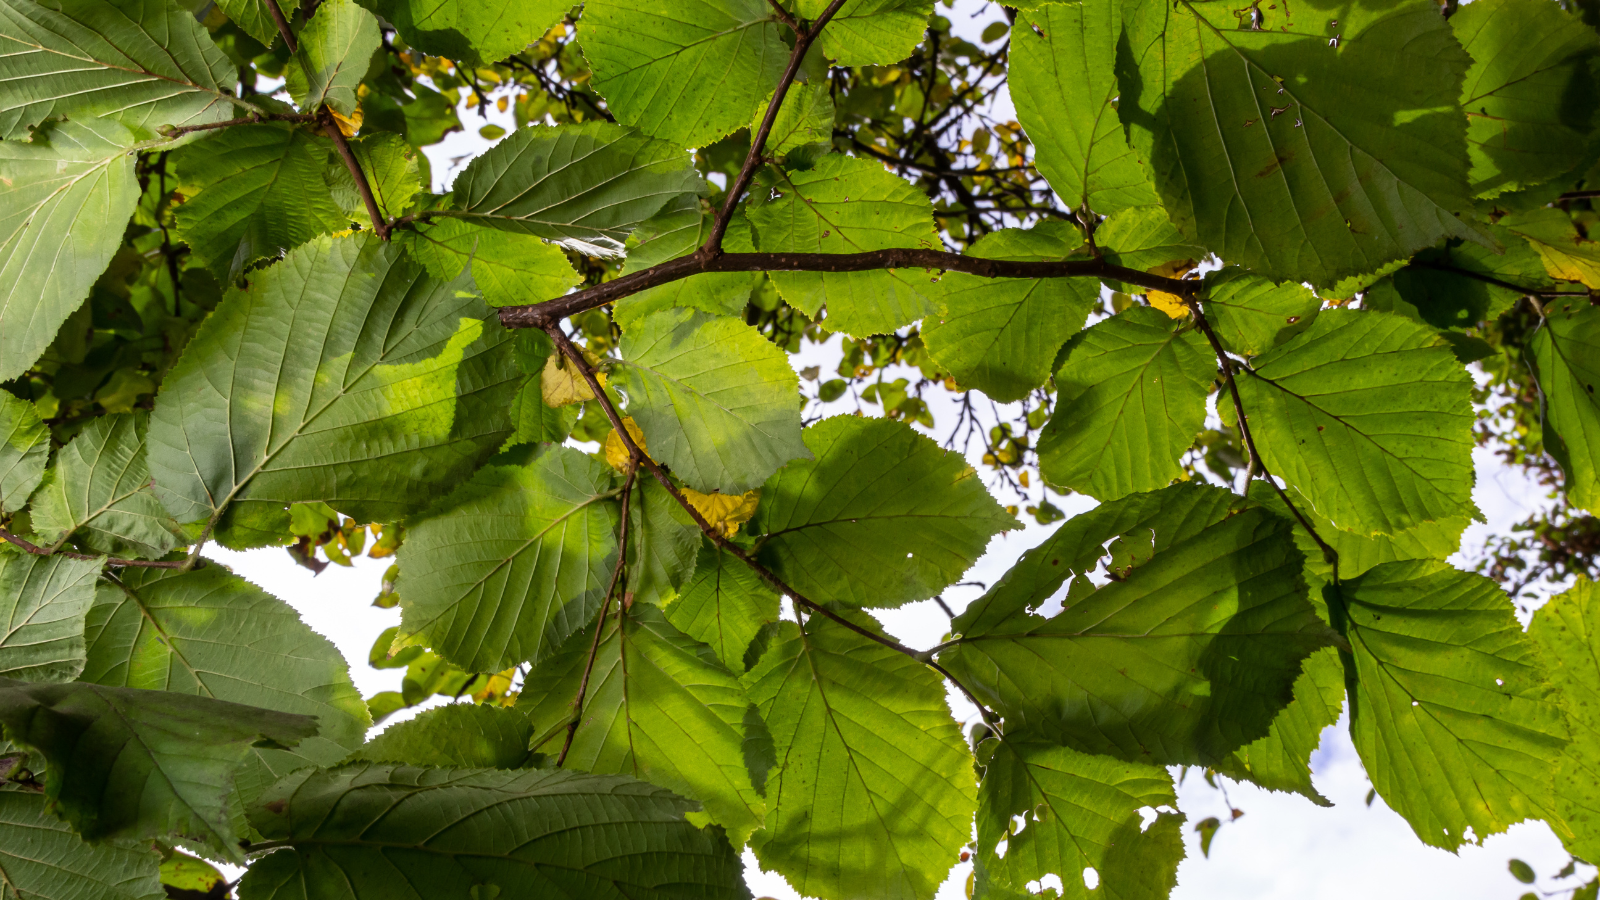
(257, 191)
(879, 518)
(513, 562)
(335, 47)
(685, 71)
(1370, 417)
(252, 18)
(1079, 812)
(476, 31)
(1143, 237)
(459, 735)
(1001, 337)
(660, 707)
(1280, 761)
(723, 605)
(807, 116)
(582, 186)
(1565, 632)
(1452, 714)
(663, 542)
(144, 63)
(160, 631)
(1262, 152)
(318, 404)
(1190, 653)
(43, 602)
(139, 764)
(24, 449)
(679, 229)
(1063, 83)
(63, 199)
(1566, 356)
(508, 267)
(98, 493)
(1252, 315)
(392, 171)
(442, 833)
(1131, 394)
(41, 857)
(1530, 95)
(873, 790)
(849, 205)
(715, 400)
(869, 32)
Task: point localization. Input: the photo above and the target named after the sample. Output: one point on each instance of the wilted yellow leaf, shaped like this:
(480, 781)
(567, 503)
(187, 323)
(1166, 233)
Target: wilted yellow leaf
(347, 126)
(560, 384)
(1171, 304)
(617, 452)
(725, 512)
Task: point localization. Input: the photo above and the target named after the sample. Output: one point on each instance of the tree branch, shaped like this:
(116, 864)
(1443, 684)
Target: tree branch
(803, 39)
(380, 225)
(176, 131)
(37, 550)
(540, 315)
(282, 22)
(599, 624)
(640, 459)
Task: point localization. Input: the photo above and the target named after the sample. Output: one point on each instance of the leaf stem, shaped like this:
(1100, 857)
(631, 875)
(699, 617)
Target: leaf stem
(36, 550)
(575, 356)
(600, 623)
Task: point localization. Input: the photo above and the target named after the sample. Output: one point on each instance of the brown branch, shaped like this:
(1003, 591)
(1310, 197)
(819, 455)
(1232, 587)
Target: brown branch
(784, 16)
(282, 22)
(1490, 279)
(640, 459)
(600, 624)
(540, 315)
(176, 131)
(803, 39)
(380, 225)
(1578, 195)
(1226, 364)
(37, 550)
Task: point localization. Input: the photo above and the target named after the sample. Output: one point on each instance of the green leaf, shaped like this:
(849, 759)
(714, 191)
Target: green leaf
(209, 633)
(870, 32)
(144, 63)
(185, 872)
(850, 205)
(1451, 713)
(64, 199)
(880, 517)
(513, 562)
(1188, 654)
(396, 831)
(723, 605)
(1567, 253)
(478, 32)
(41, 858)
(254, 192)
(1078, 812)
(1251, 315)
(252, 18)
(1565, 632)
(1130, 398)
(1370, 416)
(583, 186)
(718, 403)
(807, 115)
(663, 542)
(137, 765)
(660, 707)
(99, 490)
(1064, 86)
(534, 420)
(872, 793)
(1301, 154)
(1142, 238)
(1001, 335)
(393, 172)
(1565, 353)
(43, 602)
(24, 450)
(1529, 95)
(460, 735)
(685, 71)
(343, 374)
(1440, 291)
(1281, 760)
(679, 229)
(336, 45)
(509, 268)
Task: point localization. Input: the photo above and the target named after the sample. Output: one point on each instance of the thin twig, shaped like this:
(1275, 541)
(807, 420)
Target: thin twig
(283, 25)
(171, 131)
(37, 550)
(599, 624)
(1578, 195)
(380, 225)
(539, 315)
(784, 16)
(640, 459)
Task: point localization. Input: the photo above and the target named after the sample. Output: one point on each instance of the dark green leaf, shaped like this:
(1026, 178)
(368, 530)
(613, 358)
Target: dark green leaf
(474, 31)
(1281, 760)
(723, 605)
(461, 735)
(1566, 359)
(41, 858)
(43, 602)
(1252, 315)
(24, 450)
(99, 490)
(335, 47)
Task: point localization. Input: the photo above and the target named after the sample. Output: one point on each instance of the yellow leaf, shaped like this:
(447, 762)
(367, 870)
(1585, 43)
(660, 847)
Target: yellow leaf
(725, 512)
(617, 452)
(499, 683)
(347, 126)
(1567, 254)
(1171, 304)
(560, 384)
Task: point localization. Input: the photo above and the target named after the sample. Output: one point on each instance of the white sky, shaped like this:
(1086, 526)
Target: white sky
(1283, 847)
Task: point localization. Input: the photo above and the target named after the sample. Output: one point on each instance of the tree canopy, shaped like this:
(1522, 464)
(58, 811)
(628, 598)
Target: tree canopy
(1257, 282)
